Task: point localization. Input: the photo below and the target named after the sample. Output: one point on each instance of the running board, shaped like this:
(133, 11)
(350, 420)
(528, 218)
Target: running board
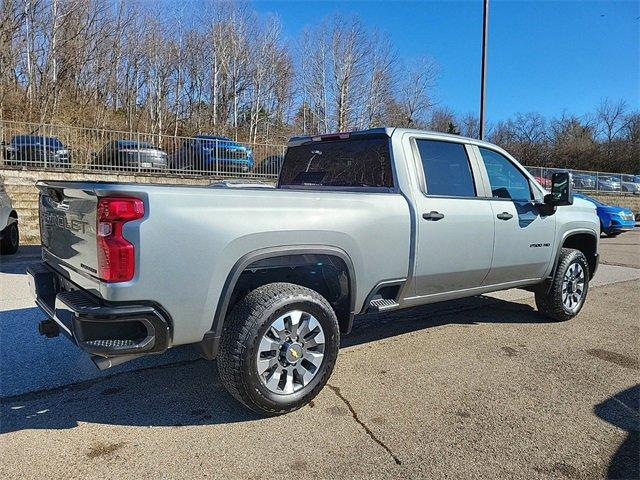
(382, 305)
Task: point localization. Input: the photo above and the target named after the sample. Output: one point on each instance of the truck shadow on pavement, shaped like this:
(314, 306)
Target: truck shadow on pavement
(623, 411)
(19, 262)
(466, 311)
(189, 392)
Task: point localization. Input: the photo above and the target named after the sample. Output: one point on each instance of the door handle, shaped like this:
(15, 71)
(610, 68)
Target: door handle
(433, 216)
(505, 216)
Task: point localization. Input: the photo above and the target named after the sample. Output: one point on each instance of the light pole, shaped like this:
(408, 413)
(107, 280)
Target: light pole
(483, 78)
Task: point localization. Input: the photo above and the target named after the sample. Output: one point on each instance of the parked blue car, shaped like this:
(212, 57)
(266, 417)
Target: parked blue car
(613, 219)
(209, 153)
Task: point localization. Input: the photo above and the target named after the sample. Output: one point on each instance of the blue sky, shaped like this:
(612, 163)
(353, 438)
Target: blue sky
(543, 56)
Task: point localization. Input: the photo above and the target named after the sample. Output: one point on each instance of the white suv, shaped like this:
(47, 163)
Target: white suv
(9, 237)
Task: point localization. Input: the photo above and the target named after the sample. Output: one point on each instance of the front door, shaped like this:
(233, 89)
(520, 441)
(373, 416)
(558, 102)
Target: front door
(524, 237)
(455, 227)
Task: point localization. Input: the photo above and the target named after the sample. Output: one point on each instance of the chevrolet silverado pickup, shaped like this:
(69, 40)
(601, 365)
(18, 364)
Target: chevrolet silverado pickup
(267, 279)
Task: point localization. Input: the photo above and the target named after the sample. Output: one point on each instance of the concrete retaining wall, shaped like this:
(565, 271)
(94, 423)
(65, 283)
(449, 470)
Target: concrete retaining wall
(20, 185)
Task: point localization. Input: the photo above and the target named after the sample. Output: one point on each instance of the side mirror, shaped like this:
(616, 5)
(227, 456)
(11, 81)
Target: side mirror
(561, 190)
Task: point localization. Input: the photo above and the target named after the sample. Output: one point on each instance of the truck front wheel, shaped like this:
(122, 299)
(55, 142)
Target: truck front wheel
(278, 348)
(564, 297)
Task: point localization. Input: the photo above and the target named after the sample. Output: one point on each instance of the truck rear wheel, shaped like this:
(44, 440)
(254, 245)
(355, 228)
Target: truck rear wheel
(278, 348)
(564, 298)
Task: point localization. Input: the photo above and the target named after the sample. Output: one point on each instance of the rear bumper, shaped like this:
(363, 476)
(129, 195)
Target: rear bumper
(98, 327)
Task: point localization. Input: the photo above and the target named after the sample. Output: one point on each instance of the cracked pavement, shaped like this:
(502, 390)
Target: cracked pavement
(483, 388)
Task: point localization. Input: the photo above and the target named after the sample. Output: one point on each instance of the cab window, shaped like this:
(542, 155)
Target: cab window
(505, 179)
(446, 168)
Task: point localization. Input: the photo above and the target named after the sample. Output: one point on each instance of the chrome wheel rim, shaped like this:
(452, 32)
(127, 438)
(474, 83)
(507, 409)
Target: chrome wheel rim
(573, 284)
(290, 352)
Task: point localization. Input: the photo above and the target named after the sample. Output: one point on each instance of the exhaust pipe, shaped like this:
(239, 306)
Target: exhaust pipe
(103, 363)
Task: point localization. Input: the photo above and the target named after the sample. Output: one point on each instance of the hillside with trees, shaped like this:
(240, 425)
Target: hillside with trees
(220, 67)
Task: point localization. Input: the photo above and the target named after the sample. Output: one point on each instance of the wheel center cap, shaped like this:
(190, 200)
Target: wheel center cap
(293, 353)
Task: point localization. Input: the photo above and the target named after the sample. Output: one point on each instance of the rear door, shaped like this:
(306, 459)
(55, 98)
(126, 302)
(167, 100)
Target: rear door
(455, 227)
(524, 237)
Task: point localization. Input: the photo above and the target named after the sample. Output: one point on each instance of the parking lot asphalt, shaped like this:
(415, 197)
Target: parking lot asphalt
(479, 388)
(622, 250)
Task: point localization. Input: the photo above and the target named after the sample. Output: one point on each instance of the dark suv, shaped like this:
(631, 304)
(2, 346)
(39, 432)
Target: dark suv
(212, 153)
(37, 151)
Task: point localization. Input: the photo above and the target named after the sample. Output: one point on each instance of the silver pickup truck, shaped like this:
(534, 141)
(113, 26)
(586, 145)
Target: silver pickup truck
(267, 279)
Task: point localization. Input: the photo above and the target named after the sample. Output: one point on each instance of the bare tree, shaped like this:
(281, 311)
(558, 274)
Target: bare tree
(611, 119)
(348, 50)
(469, 125)
(226, 69)
(377, 90)
(417, 81)
(442, 119)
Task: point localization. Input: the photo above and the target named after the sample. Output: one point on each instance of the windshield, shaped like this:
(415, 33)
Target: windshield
(364, 162)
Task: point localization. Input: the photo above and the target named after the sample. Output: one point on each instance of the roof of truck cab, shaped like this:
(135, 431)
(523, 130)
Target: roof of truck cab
(393, 131)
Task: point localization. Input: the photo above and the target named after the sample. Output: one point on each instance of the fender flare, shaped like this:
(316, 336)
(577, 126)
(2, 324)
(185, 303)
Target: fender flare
(208, 347)
(566, 235)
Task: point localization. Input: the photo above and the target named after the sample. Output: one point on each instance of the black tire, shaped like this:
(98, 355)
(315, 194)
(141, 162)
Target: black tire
(549, 298)
(10, 239)
(245, 326)
(612, 234)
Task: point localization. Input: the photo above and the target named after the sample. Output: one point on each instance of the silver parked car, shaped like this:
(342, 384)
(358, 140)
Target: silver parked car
(608, 183)
(629, 183)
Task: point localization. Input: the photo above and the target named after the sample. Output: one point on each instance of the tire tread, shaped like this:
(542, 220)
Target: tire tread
(549, 297)
(243, 322)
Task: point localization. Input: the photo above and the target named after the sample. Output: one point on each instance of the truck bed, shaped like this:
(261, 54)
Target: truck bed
(191, 236)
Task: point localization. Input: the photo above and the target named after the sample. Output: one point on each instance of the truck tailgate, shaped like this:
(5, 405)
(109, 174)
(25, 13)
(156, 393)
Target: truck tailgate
(68, 226)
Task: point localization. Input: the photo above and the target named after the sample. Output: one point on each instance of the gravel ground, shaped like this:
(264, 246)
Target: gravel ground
(480, 388)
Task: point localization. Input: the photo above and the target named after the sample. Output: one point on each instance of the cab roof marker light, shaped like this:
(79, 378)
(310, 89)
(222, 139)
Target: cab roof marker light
(332, 136)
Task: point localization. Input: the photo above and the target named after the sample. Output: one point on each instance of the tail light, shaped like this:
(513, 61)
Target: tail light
(116, 255)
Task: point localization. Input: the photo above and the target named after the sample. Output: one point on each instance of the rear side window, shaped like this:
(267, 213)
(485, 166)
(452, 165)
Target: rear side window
(505, 179)
(446, 168)
(363, 162)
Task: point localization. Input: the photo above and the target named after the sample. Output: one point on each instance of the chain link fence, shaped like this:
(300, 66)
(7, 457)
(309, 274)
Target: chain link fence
(591, 182)
(60, 147)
